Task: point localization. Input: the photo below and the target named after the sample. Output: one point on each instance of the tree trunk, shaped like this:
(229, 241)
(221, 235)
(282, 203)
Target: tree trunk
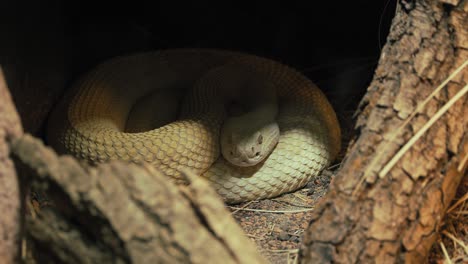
(10, 206)
(379, 211)
(125, 213)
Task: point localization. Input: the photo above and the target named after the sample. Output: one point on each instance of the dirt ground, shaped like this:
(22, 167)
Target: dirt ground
(277, 225)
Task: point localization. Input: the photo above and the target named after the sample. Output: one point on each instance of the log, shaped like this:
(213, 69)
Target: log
(125, 213)
(389, 198)
(10, 206)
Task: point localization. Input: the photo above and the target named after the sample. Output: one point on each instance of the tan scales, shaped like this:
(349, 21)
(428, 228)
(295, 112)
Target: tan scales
(90, 121)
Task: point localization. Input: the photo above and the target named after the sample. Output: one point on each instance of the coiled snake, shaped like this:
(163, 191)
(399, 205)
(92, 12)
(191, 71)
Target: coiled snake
(182, 108)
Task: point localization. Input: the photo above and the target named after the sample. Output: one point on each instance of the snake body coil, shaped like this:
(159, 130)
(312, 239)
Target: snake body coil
(125, 109)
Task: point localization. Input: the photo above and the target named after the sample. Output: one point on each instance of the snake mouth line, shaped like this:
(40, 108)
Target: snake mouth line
(248, 163)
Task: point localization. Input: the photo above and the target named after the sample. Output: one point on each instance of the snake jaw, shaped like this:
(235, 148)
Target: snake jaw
(243, 148)
(240, 150)
(242, 159)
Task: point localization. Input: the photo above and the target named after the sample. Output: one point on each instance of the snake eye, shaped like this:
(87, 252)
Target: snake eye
(260, 139)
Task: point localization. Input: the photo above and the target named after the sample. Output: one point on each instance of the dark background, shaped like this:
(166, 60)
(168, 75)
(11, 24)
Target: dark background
(335, 43)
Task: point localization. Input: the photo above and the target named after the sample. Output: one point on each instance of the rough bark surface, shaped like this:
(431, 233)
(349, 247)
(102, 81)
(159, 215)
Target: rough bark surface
(10, 206)
(121, 213)
(374, 217)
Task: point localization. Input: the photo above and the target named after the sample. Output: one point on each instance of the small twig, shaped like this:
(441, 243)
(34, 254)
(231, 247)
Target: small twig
(334, 166)
(300, 197)
(288, 203)
(239, 208)
(444, 250)
(461, 213)
(397, 132)
(426, 101)
(292, 234)
(32, 210)
(254, 236)
(271, 229)
(462, 163)
(296, 258)
(460, 259)
(419, 134)
(457, 203)
(294, 251)
(456, 240)
(272, 211)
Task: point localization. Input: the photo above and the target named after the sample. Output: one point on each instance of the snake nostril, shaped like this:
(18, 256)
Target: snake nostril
(260, 139)
(257, 154)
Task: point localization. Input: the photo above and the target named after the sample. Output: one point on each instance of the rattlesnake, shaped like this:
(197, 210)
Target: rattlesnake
(124, 109)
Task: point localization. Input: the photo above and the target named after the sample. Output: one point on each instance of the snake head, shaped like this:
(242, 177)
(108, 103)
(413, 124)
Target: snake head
(247, 146)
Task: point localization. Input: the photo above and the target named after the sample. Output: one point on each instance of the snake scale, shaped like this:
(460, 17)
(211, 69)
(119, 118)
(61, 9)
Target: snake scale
(168, 108)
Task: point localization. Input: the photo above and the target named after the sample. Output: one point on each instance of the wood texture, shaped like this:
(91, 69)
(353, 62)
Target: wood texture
(10, 206)
(370, 216)
(125, 213)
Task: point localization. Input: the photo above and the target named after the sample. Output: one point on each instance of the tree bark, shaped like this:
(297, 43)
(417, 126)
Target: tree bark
(376, 215)
(10, 206)
(126, 213)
